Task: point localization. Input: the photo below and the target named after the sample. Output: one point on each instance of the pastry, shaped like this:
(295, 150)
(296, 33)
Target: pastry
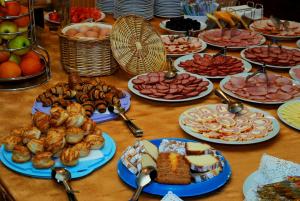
(31, 133)
(96, 141)
(75, 120)
(203, 163)
(74, 135)
(88, 126)
(43, 160)
(83, 148)
(172, 168)
(75, 108)
(58, 116)
(101, 105)
(55, 141)
(197, 148)
(20, 154)
(147, 160)
(168, 146)
(35, 146)
(97, 130)
(41, 121)
(69, 157)
(89, 107)
(11, 141)
(17, 132)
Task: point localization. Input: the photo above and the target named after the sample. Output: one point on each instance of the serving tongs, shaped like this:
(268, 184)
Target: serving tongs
(261, 70)
(136, 131)
(279, 24)
(274, 41)
(222, 52)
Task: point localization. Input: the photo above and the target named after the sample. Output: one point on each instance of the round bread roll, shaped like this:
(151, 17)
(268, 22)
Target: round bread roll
(75, 108)
(58, 116)
(11, 141)
(20, 154)
(75, 120)
(88, 126)
(31, 133)
(69, 157)
(35, 146)
(41, 121)
(55, 141)
(83, 148)
(43, 160)
(74, 135)
(95, 141)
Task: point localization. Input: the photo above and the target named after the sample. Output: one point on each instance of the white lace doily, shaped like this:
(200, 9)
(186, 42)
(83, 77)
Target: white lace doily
(171, 197)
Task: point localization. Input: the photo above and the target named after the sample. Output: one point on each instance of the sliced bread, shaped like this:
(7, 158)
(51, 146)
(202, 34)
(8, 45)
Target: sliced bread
(197, 148)
(203, 163)
(147, 160)
(150, 148)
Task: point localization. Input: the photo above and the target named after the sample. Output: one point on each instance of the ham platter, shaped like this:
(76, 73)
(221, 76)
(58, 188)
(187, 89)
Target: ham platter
(278, 90)
(273, 56)
(232, 38)
(212, 66)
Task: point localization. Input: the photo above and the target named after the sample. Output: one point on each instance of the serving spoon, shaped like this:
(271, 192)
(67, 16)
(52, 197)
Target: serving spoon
(233, 106)
(62, 175)
(171, 73)
(146, 175)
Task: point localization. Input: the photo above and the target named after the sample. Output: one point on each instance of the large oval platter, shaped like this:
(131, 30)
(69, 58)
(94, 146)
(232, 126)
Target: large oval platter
(86, 165)
(201, 95)
(289, 113)
(193, 189)
(230, 93)
(247, 66)
(271, 134)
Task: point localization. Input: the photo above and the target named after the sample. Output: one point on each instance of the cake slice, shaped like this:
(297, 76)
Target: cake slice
(203, 163)
(150, 148)
(147, 160)
(197, 148)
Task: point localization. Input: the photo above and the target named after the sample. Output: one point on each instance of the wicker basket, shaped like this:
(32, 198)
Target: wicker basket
(86, 56)
(136, 46)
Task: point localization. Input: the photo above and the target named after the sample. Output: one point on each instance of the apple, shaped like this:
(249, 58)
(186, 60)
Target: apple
(8, 27)
(4, 55)
(15, 58)
(18, 43)
(13, 8)
(2, 2)
(23, 29)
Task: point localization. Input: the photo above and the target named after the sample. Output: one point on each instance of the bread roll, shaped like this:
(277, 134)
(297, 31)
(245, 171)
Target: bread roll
(20, 154)
(69, 157)
(43, 160)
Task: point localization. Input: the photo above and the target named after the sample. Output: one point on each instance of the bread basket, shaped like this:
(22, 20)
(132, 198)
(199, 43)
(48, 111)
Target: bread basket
(87, 56)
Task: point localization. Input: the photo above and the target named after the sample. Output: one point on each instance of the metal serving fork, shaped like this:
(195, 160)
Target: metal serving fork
(262, 70)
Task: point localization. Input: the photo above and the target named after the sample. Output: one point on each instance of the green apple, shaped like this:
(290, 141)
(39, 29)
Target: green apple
(8, 27)
(22, 29)
(19, 42)
(2, 2)
(15, 58)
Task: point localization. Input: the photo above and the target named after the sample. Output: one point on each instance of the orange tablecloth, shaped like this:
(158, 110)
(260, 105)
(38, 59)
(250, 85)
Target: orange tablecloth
(157, 119)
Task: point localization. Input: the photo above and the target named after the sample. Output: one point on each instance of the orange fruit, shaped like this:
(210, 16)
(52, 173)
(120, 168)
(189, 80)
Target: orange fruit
(32, 54)
(30, 66)
(10, 69)
(23, 21)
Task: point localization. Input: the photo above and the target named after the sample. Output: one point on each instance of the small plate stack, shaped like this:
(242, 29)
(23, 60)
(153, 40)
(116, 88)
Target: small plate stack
(136, 7)
(106, 6)
(167, 8)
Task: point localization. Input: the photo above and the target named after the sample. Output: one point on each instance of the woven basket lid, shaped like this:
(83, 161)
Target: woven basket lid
(136, 46)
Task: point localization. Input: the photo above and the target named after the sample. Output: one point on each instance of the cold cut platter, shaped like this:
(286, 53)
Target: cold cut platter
(274, 57)
(184, 87)
(178, 46)
(214, 123)
(256, 90)
(232, 38)
(212, 66)
(289, 30)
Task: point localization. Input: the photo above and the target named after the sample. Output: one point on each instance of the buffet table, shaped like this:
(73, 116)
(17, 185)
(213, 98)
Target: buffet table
(157, 119)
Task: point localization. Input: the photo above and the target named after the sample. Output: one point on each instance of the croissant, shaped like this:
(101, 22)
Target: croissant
(69, 94)
(112, 98)
(58, 89)
(87, 87)
(55, 141)
(73, 80)
(83, 148)
(95, 141)
(75, 120)
(47, 99)
(58, 116)
(89, 108)
(88, 126)
(35, 146)
(75, 108)
(17, 132)
(74, 135)
(20, 154)
(11, 141)
(69, 156)
(81, 97)
(103, 87)
(118, 92)
(31, 133)
(41, 121)
(101, 105)
(43, 160)
(96, 94)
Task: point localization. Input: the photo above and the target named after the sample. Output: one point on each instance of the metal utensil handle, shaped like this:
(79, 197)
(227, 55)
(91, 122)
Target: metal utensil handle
(136, 194)
(220, 93)
(71, 196)
(137, 132)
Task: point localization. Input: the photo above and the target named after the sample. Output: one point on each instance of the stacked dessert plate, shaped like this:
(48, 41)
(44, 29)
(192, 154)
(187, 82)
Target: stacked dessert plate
(167, 8)
(135, 7)
(106, 6)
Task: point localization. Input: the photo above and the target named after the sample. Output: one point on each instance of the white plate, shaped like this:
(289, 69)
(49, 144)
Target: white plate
(292, 73)
(267, 65)
(279, 37)
(263, 40)
(273, 133)
(247, 66)
(201, 95)
(298, 43)
(282, 107)
(251, 184)
(227, 78)
(163, 26)
(203, 47)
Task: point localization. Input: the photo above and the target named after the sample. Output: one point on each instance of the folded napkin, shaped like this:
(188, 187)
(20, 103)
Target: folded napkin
(171, 197)
(271, 170)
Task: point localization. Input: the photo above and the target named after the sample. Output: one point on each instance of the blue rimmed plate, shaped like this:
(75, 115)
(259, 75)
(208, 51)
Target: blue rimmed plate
(193, 189)
(86, 165)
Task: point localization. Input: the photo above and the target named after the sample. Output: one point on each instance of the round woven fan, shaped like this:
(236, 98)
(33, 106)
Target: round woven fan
(136, 46)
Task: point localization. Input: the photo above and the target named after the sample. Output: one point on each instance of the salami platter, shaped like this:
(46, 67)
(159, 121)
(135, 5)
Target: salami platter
(232, 38)
(274, 57)
(184, 87)
(211, 66)
(256, 90)
(286, 30)
(178, 46)
(213, 123)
